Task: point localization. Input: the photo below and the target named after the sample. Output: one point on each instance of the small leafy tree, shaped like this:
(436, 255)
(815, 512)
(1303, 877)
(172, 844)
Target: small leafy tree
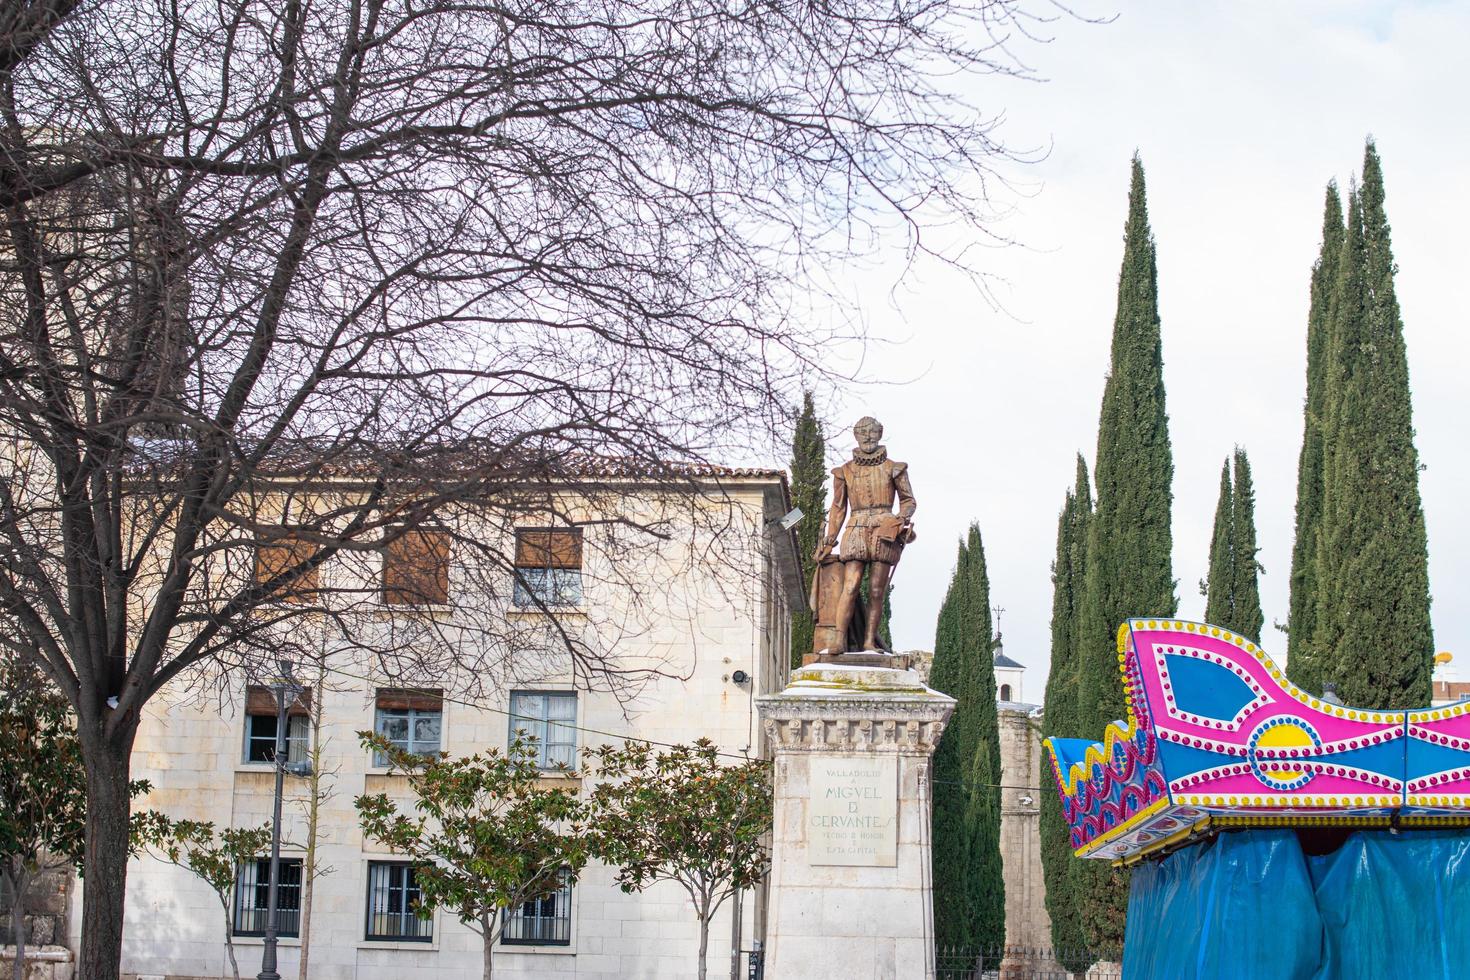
(488, 832)
(214, 857)
(43, 788)
(681, 816)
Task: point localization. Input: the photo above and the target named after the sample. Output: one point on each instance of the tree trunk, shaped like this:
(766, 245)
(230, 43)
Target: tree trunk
(20, 883)
(308, 879)
(229, 938)
(487, 931)
(313, 821)
(105, 855)
(703, 943)
(736, 923)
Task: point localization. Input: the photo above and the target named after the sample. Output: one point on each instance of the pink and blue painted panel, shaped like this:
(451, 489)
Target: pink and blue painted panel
(1111, 794)
(1216, 730)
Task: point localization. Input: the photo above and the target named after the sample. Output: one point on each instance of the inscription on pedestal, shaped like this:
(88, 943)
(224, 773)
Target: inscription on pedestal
(852, 816)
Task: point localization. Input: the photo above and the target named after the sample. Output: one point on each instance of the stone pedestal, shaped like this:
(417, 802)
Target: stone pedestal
(862, 658)
(850, 887)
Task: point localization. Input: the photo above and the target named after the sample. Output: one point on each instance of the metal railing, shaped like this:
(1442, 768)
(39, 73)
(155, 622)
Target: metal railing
(251, 899)
(1017, 963)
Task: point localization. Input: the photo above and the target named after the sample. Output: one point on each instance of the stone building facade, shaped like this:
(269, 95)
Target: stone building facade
(1028, 926)
(1027, 922)
(719, 637)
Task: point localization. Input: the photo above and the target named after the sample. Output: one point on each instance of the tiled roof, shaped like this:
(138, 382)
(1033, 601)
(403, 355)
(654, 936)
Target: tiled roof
(323, 459)
(626, 467)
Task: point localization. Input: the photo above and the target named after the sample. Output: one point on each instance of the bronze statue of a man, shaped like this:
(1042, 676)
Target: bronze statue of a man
(863, 491)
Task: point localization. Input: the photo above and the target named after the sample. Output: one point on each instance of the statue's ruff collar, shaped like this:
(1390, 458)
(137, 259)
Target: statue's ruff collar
(870, 459)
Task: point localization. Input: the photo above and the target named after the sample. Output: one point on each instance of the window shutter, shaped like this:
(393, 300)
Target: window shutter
(416, 568)
(549, 548)
(411, 699)
(262, 701)
(281, 556)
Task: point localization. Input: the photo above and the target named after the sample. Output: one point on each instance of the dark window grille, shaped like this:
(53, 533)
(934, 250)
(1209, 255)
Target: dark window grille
(550, 717)
(545, 921)
(252, 897)
(393, 897)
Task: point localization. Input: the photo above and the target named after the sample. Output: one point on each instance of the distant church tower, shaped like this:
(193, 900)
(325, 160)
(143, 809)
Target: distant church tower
(1007, 671)
(1007, 677)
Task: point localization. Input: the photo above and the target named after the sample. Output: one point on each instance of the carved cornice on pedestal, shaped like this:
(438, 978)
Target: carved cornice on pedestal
(867, 714)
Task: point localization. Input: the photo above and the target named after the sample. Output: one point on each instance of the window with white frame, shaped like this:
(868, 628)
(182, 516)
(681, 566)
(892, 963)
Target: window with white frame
(548, 567)
(545, 921)
(252, 897)
(550, 718)
(411, 719)
(393, 898)
(260, 726)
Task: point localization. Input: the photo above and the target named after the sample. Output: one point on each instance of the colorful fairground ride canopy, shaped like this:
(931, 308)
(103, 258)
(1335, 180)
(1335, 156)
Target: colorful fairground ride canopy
(1217, 737)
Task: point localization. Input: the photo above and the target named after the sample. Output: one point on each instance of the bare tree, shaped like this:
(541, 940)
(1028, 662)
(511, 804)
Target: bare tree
(283, 285)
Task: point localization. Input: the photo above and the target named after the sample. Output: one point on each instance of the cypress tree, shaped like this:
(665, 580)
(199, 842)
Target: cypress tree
(986, 882)
(808, 492)
(1373, 631)
(1234, 589)
(1247, 618)
(885, 623)
(969, 895)
(1059, 868)
(1302, 665)
(1129, 539)
(1219, 588)
(1344, 336)
(950, 850)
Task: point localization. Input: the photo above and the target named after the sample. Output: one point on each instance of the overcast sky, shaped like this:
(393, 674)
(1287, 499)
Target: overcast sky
(1242, 112)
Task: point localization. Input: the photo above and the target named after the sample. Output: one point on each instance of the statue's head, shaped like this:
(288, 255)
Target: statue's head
(868, 432)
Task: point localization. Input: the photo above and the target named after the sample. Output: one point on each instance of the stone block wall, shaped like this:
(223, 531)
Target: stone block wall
(1027, 923)
(46, 905)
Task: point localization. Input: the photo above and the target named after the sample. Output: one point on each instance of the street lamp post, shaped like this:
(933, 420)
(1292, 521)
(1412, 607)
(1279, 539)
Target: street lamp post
(286, 689)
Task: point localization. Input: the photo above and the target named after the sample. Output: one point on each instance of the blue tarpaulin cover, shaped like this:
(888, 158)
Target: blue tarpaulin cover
(1250, 904)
